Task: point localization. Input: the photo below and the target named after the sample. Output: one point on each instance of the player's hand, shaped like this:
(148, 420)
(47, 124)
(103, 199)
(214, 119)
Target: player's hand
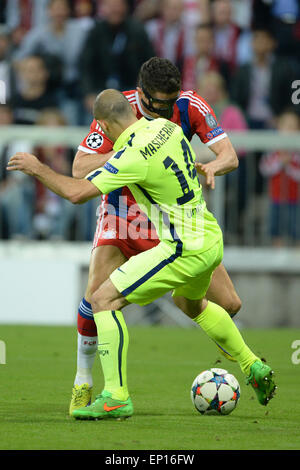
(206, 170)
(24, 162)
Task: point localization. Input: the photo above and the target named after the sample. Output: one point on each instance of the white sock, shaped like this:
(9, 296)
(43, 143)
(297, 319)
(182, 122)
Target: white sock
(86, 353)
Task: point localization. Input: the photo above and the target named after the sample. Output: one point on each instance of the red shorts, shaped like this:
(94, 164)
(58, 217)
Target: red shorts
(129, 237)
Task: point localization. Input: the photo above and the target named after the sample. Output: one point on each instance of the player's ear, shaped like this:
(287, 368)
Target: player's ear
(140, 92)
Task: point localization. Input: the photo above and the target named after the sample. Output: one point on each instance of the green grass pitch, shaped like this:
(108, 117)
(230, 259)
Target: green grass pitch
(36, 382)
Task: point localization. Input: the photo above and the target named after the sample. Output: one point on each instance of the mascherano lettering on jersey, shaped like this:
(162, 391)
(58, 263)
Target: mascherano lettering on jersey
(161, 137)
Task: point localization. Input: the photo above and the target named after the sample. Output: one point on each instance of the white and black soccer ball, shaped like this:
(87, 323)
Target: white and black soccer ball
(215, 391)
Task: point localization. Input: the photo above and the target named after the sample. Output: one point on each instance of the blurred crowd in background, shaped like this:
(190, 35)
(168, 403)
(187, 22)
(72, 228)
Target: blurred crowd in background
(242, 56)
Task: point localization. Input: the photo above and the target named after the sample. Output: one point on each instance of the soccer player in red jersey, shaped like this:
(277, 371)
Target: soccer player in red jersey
(122, 230)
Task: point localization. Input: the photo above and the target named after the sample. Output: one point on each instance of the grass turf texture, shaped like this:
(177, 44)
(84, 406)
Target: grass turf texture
(36, 382)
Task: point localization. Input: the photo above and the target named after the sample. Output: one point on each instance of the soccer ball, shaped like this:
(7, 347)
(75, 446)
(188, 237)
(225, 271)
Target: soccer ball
(214, 392)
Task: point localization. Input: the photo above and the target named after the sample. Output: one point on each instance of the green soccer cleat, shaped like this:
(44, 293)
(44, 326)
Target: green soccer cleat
(261, 380)
(81, 396)
(105, 407)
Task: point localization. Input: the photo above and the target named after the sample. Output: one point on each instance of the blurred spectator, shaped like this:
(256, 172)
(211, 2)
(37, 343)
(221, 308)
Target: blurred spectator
(226, 33)
(84, 12)
(60, 41)
(17, 36)
(194, 11)
(262, 87)
(242, 12)
(52, 214)
(25, 13)
(170, 37)
(132, 5)
(33, 95)
(244, 53)
(5, 62)
(212, 87)
(283, 17)
(146, 9)
(115, 49)
(282, 168)
(204, 59)
(16, 188)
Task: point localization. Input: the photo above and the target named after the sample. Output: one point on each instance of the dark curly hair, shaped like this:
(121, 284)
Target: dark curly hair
(159, 75)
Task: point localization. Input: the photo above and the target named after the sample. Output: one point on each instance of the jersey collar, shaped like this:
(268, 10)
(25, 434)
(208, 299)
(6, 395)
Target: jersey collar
(124, 137)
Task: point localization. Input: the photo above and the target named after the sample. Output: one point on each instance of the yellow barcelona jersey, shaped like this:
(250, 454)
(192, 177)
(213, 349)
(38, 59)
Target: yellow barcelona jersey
(156, 162)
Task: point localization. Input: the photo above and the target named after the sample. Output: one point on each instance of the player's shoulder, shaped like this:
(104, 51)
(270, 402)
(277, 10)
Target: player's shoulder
(130, 95)
(193, 101)
(95, 141)
(95, 127)
(147, 131)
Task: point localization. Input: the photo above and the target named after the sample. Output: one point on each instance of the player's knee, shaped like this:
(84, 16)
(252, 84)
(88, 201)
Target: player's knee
(234, 306)
(98, 301)
(93, 284)
(101, 299)
(191, 308)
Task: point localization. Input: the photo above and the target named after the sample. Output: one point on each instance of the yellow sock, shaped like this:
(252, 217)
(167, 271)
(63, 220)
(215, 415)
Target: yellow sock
(218, 325)
(113, 346)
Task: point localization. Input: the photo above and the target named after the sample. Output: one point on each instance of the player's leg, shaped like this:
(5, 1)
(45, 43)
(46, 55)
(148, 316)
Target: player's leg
(218, 325)
(104, 260)
(107, 301)
(110, 249)
(114, 400)
(221, 291)
(140, 280)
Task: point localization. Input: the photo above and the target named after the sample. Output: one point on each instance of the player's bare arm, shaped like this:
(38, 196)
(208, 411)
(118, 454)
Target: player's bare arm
(74, 190)
(226, 161)
(84, 162)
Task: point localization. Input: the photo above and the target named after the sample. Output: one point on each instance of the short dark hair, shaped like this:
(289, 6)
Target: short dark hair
(159, 75)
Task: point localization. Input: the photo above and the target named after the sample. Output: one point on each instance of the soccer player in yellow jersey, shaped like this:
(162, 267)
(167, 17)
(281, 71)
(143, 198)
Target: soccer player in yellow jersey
(157, 163)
